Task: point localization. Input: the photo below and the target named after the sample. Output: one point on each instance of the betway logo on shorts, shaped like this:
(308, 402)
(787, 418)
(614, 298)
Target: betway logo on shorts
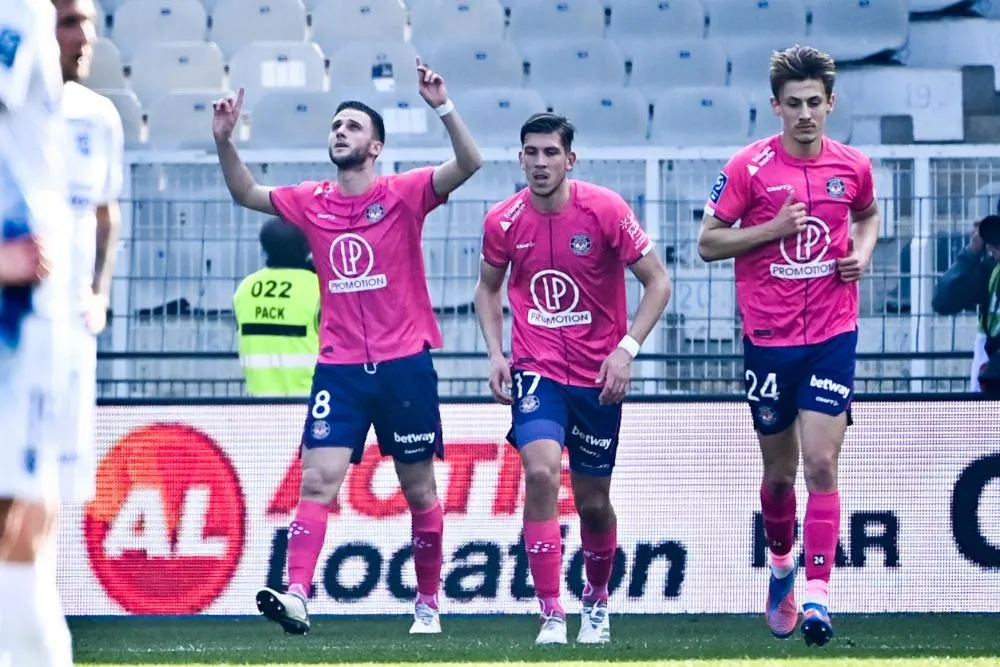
(804, 253)
(603, 443)
(413, 438)
(829, 385)
(352, 260)
(555, 296)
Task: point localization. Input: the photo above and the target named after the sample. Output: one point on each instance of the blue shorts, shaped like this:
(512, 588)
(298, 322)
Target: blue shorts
(398, 397)
(781, 381)
(544, 409)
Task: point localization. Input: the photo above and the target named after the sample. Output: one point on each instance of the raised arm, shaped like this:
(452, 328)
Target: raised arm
(243, 187)
(467, 161)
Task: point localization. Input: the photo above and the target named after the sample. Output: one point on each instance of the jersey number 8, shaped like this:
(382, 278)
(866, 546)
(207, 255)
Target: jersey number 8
(767, 390)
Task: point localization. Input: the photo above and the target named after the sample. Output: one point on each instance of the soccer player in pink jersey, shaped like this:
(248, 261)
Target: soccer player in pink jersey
(377, 327)
(807, 225)
(566, 243)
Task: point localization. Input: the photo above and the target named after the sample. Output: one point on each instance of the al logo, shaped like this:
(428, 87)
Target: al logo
(167, 526)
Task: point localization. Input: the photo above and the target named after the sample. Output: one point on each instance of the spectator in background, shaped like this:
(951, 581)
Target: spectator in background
(277, 310)
(973, 281)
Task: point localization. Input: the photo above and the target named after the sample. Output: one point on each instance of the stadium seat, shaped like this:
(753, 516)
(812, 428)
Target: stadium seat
(387, 66)
(986, 8)
(292, 119)
(567, 19)
(140, 22)
(262, 67)
(781, 23)
(749, 64)
(933, 97)
(857, 29)
(700, 116)
(183, 120)
(954, 43)
(106, 70)
(663, 64)
(677, 19)
(236, 23)
(435, 22)
(604, 116)
(160, 67)
(409, 121)
(477, 63)
(918, 6)
(100, 20)
(495, 115)
(335, 21)
(131, 114)
(558, 63)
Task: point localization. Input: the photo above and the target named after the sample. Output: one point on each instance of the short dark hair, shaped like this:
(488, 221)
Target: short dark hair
(801, 63)
(548, 123)
(284, 245)
(989, 230)
(377, 123)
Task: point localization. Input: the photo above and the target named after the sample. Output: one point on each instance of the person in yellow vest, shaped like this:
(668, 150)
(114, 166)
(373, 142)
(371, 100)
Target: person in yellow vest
(277, 312)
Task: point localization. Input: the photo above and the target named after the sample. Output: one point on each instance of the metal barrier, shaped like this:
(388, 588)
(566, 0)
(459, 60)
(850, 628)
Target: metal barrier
(186, 247)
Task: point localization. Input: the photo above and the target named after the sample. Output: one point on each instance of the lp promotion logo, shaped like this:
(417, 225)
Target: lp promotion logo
(166, 528)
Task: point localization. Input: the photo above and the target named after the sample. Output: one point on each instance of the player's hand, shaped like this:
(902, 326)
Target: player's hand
(500, 380)
(791, 219)
(95, 314)
(225, 115)
(22, 262)
(851, 267)
(615, 375)
(431, 85)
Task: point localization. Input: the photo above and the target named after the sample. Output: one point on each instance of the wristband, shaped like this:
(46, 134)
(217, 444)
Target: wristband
(445, 108)
(630, 345)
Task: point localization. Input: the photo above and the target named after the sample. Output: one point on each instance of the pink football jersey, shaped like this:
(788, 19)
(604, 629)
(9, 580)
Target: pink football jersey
(788, 291)
(366, 248)
(567, 278)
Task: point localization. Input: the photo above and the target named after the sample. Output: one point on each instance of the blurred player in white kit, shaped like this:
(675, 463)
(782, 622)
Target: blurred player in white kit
(35, 293)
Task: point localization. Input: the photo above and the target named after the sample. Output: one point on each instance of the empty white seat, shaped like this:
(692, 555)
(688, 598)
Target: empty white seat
(139, 22)
(988, 8)
(856, 29)
(336, 21)
(700, 116)
(918, 6)
(544, 19)
(161, 67)
(750, 64)
(604, 116)
(409, 121)
(436, 21)
(387, 66)
(106, 70)
(659, 64)
(183, 119)
(262, 67)
(495, 115)
(100, 20)
(477, 63)
(954, 43)
(559, 63)
(782, 23)
(932, 97)
(656, 19)
(131, 114)
(292, 119)
(236, 23)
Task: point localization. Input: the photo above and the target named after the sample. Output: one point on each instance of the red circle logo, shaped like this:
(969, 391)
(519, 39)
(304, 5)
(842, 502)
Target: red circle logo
(166, 529)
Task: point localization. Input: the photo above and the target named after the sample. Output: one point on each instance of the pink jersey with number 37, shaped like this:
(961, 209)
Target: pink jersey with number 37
(788, 291)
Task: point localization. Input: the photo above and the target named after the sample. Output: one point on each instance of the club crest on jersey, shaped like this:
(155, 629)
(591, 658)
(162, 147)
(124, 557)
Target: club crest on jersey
(10, 42)
(83, 144)
(767, 415)
(580, 244)
(374, 213)
(835, 188)
(528, 404)
(320, 429)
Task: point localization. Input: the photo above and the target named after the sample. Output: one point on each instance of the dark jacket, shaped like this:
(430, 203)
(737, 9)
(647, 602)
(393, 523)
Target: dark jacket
(965, 285)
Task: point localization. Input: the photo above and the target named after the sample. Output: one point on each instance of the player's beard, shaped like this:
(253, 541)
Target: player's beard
(550, 191)
(352, 160)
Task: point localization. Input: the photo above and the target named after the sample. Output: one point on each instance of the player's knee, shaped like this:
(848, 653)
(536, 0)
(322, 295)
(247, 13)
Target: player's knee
(420, 494)
(26, 532)
(779, 481)
(318, 486)
(596, 512)
(542, 477)
(820, 471)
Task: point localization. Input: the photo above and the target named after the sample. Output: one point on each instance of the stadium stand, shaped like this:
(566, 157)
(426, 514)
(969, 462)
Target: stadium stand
(642, 79)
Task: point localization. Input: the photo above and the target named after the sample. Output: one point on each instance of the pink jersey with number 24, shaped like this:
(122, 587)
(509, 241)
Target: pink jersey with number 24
(788, 291)
(567, 278)
(366, 248)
